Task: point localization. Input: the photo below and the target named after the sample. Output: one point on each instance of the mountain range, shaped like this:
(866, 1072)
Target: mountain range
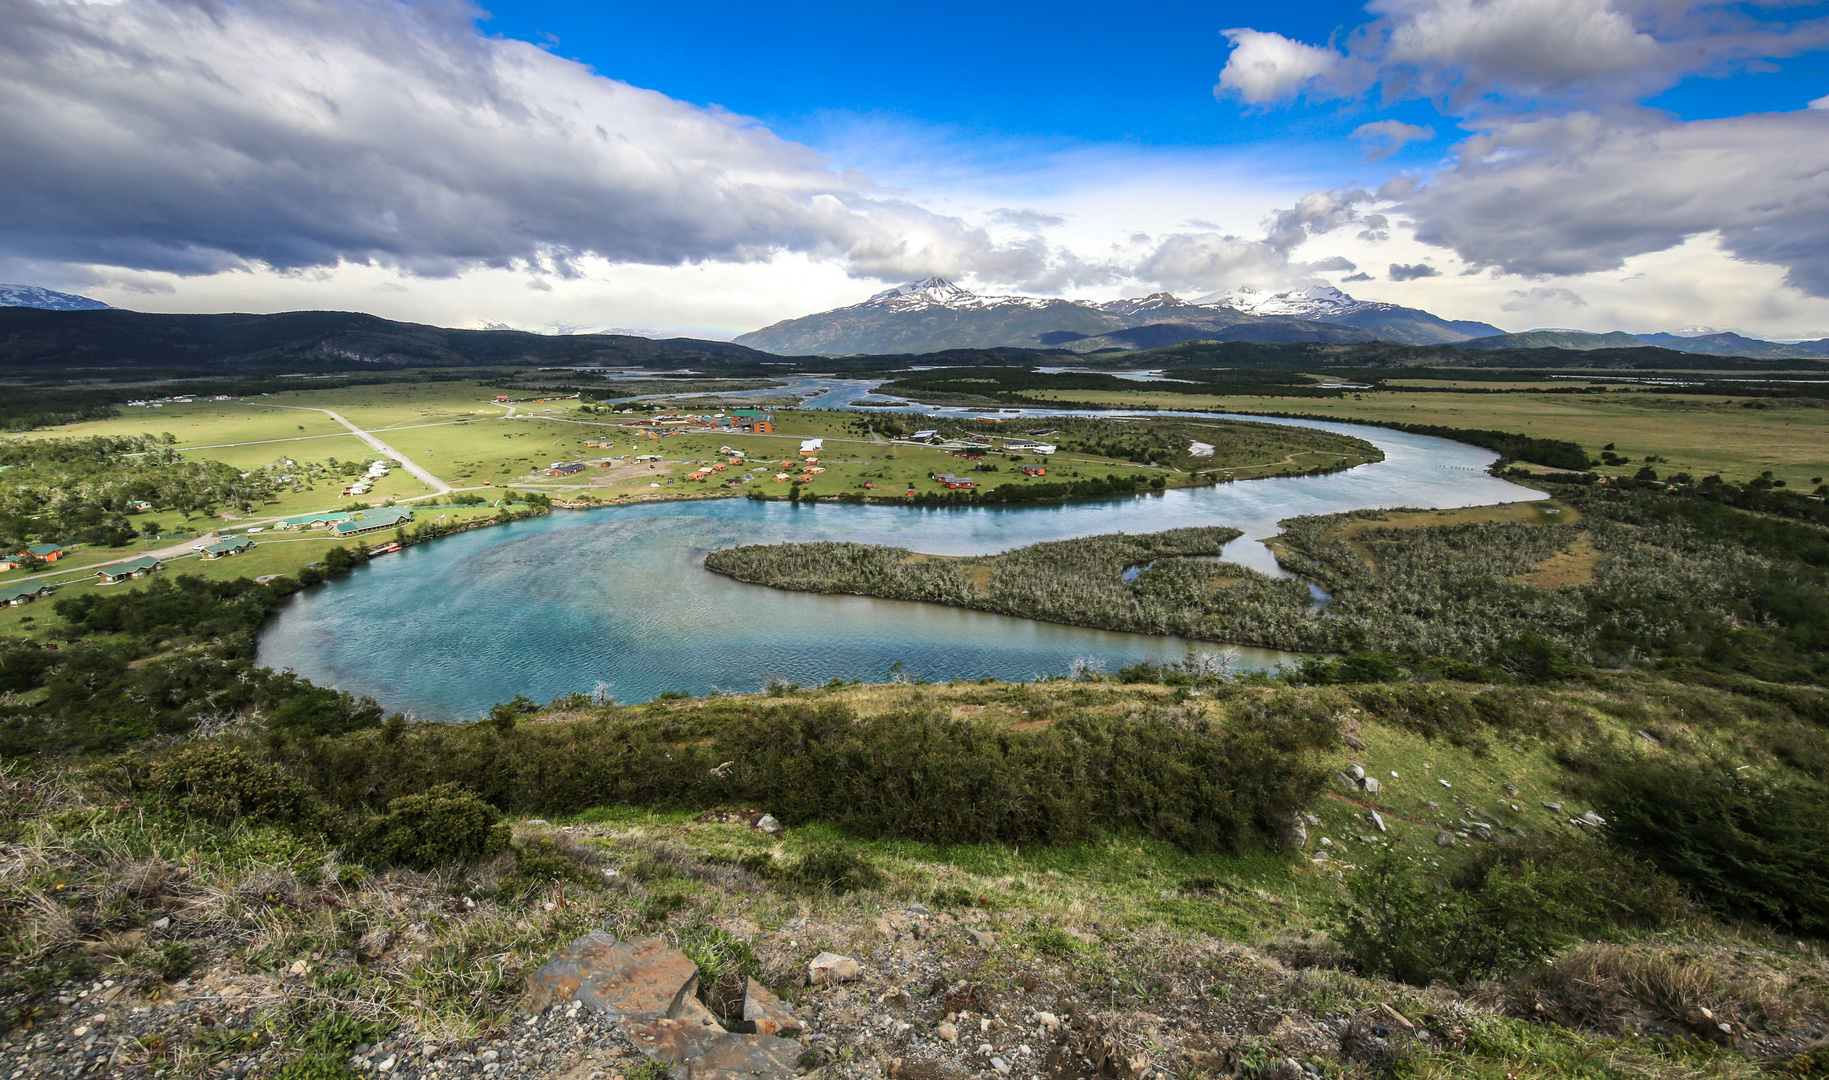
(111, 338)
(32, 296)
(935, 314)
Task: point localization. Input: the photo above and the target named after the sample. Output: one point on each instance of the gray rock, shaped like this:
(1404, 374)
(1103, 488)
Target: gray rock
(1355, 772)
(1377, 821)
(1590, 819)
(766, 1014)
(830, 968)
(1369, 785)
(769, 825)
(1515, 831)
(1554, 807)
(1510, 788)
(1444, 838)
(984, 939)
(917, 909)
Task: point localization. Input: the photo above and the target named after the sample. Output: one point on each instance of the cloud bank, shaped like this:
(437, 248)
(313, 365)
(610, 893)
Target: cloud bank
(193, 137)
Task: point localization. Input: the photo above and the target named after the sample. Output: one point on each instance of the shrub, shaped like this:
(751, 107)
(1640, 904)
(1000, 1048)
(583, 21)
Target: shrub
(444, 825)
(540, 862)
(1749, 848)
(1506, 908)
(226, 783)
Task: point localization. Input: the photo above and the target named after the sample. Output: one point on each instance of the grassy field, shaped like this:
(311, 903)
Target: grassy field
(1698, 434)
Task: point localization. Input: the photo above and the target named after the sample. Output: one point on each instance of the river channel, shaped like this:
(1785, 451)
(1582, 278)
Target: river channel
(617, 600)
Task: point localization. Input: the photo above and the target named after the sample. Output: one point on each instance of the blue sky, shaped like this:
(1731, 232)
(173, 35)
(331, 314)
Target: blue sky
(1635, 164)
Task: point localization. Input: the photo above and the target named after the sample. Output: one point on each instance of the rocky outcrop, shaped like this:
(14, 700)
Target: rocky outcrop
(650, 991)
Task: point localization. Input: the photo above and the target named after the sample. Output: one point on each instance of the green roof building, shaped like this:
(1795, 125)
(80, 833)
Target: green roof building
(23, 593)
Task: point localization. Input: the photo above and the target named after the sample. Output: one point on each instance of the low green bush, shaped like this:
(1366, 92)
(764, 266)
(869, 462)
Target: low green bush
(444, 825)
(221, 782)
(1504, 909)
(1750, 846)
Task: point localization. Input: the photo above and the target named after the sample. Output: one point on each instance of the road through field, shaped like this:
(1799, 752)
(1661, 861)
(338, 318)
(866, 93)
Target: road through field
(406, 463)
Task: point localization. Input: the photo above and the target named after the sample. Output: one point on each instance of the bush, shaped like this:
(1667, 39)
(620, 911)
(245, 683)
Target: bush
(226, 783)
(1505, 909)
(444, 825)
(1747, 847)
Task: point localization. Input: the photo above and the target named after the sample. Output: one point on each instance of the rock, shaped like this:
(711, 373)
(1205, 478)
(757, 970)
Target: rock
(1590, 819)
(767, 823)
(1346, 781)
(1510, 788)
(947, 1033)
(1444, 783)
(1355, 772)
(620, 980)
(1048, 1020)
(1433, 805)
(984, 939)
(1444, 838)
(1352, 740)
(538, 821)
(1002, 1066)
(1553, 807)
(1295, 833)
(917, 909)
(1483, 829)
(766, 1014)
(162, 923)
(830, 968)
(1369, 785)
(1517, 832)
(1377, 821)
(647, 989)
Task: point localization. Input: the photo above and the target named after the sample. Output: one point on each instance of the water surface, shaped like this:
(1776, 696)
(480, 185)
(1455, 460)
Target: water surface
(618, 600)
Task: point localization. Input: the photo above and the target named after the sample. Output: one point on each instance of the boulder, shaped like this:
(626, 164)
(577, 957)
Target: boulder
(1369, 785)
(621, 980)
(647, 989)
(830, 968)
(1377, 821)
(1355, 772)
(1444, 838)
(766, 1014)
(984, 939)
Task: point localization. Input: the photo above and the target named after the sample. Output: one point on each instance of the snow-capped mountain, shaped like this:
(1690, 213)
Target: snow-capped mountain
(937, 292)
(935, 314)
(34, 297)
(1314, 302)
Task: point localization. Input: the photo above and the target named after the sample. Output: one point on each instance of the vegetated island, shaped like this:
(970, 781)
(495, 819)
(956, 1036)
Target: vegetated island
(1601, 576)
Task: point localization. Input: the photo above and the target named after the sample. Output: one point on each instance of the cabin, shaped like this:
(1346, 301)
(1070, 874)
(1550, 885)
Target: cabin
(929, 436)
(567, 468)
(1034, 470)
(369, 521)
(133, 568)
(312, 521)
(812, 446)
(954, 483)
(23, 593)
(229, 545)
(45, 552)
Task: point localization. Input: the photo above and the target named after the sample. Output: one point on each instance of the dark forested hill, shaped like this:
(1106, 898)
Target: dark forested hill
(112, 339)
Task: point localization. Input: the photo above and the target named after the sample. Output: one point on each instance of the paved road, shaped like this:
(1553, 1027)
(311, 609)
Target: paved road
(382, 448)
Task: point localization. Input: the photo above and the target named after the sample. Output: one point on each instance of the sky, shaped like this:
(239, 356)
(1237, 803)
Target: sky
(707, 168)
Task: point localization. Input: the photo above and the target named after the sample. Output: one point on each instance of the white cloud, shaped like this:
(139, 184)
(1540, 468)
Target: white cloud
(1265, 66)
(1211, 260)
(1530, 299)
(1581, 193)
(1821, 102)
(195, 138)
(1385, 137)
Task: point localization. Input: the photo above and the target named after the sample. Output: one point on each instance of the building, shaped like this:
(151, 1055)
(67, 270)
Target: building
(369, 521)
(1034, 470)
(228, 545)
(312, 521)
(811, 446)
(565, 469)
(23, 593)
(954, 483)
(46, 552)
(927, 436)
(133, 568)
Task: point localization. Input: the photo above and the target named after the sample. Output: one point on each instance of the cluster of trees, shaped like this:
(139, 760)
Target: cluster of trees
(171, 657)
(82, 490)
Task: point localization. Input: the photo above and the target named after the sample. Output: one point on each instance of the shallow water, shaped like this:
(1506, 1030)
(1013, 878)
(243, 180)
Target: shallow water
(618, 600)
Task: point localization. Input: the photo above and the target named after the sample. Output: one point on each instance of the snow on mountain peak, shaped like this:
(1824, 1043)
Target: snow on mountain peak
(936, 292)
(1136, 304)
(33, 296)
(1313, 301)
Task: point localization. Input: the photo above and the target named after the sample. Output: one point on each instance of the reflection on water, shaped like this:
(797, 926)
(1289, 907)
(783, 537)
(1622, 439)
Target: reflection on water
(618, 598)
